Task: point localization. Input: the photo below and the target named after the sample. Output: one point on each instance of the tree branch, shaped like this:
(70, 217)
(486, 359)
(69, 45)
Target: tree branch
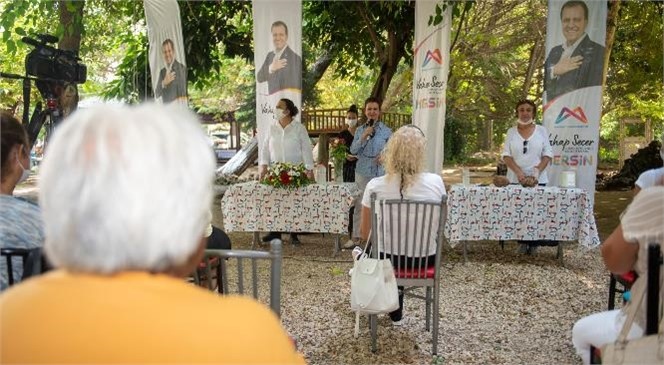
(380, 52)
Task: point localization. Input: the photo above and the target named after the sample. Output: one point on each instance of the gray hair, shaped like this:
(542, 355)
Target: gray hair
(126, 188)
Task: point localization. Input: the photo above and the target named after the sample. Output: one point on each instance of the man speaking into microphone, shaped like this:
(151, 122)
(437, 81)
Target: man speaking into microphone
(368, 143)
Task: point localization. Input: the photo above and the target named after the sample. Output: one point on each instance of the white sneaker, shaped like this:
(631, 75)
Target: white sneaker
(398, 323)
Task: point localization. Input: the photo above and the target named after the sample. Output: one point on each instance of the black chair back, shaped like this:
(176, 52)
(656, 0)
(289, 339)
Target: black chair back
(31, 260)
(653, 288)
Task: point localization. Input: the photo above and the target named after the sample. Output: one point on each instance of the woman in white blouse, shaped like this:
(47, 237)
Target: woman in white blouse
(527, 152)
(287, 141)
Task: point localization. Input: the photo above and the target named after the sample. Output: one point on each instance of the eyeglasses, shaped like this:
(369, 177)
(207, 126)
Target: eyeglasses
(525, 146)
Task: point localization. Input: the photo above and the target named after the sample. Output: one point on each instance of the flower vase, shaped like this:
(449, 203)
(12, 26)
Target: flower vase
(338, 172)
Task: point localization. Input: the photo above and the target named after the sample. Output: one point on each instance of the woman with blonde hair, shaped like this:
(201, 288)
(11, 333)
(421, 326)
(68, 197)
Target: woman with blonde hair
(403, 159)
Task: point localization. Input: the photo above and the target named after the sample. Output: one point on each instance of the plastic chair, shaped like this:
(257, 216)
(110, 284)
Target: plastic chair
(215, 266)
(31, 261)
(418, 222)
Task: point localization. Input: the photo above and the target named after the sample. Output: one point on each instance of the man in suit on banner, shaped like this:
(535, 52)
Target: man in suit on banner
(172, 83)
(282, 68)
(578, 62)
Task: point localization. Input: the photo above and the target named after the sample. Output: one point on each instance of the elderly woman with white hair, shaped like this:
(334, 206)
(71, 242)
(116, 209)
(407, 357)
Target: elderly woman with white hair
(125, 194)
(404, 158)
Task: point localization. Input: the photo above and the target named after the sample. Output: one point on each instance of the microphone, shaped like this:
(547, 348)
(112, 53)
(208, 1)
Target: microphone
(371, 122)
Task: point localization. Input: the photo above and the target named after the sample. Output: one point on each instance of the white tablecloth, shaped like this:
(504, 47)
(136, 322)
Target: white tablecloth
(252, 206)
(516, 213)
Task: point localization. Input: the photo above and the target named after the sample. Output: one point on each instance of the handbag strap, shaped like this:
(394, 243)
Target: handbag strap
(379, 205)
(631, 313)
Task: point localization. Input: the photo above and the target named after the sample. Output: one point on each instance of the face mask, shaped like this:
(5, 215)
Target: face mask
(528, 122)
(280, 113)
(24, 174)
(351, 122)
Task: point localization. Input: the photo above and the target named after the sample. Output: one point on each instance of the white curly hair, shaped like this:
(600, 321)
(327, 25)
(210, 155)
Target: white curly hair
(403, 156)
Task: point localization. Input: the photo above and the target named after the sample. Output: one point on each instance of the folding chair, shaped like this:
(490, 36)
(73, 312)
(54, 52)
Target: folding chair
(417, 234)
(31, 263)
(215, 266)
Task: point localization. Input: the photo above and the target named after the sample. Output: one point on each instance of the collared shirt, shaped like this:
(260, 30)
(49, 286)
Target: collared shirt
(368, 151)
(290, 144)
(277, 54)
(567, 52)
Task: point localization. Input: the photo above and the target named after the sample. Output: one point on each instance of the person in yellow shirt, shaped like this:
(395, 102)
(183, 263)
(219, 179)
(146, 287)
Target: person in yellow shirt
(125, 194)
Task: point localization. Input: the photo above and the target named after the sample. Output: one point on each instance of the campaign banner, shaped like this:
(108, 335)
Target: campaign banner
(431, 67)
(576, 32)
(278, 60)
(168, 67)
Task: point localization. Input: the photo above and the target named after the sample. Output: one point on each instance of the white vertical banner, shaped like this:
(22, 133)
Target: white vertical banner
(278, 60)
(576, 33)
(168, 67)
(431, 63)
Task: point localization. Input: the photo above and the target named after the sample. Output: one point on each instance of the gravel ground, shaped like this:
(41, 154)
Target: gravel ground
(499, 307)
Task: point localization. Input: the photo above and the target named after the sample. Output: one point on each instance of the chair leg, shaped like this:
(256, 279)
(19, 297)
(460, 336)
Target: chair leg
(560, 253)
(373, 323)
(502, 245)
(612, 292)
(428, 308)
(436, 317)
(465, 252)
(255, 240)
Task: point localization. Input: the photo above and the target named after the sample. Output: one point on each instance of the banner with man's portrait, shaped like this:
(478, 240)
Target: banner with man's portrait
(431, 63)
(576, 32)
(278, 58)
(168, 68)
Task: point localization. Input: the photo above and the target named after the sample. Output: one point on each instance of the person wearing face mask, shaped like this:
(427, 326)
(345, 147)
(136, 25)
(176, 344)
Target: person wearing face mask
(651, 177)
(527, 152)
(347, 135)
(20, 222)
(351, 160)
(287, 141)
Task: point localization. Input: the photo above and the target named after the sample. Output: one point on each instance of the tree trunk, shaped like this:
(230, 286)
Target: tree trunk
(388, 65)
(536, 59)
(611, 25)
(313, 75)
(71, 19)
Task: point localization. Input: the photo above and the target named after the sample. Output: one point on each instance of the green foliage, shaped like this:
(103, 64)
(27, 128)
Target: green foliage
(455, 140)
(634, 82)
(338, 152)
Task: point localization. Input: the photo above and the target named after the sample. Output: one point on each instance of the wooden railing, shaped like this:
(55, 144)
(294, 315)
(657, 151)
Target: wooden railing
(326, 121)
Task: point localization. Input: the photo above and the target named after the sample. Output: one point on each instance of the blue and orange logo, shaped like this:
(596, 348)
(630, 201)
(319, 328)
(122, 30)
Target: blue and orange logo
(433, 56)
(576, 113)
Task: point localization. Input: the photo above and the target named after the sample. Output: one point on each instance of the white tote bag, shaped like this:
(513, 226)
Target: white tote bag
(373, 286)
